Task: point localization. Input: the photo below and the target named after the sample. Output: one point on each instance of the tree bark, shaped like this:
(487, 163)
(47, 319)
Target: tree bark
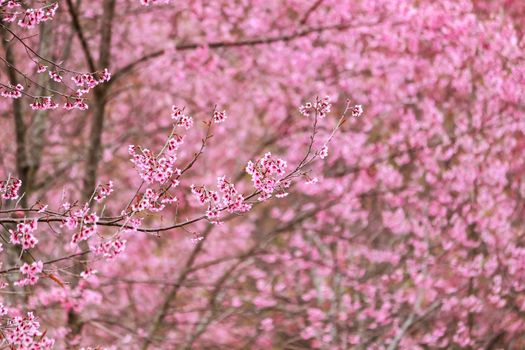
(97, 123)
(22, 166)
(37, 130)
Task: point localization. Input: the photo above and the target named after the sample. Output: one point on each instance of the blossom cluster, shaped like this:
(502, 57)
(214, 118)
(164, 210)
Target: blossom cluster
(87, 273)
(152, 168)
(357, 111)
(10, 187)
(78, 103)
(152, 201)
(87, 229)
(103, 191)
(232, 200)
(227, 198)
(323, 152)
(29, 18)
(11, 91)
(43, 103)
(23, 333)
(161, 168)
(111, 248)
(204, 195)
(219, 117)
(321, 107)
(46, 102)
(41, 68)
(180, 118)
(86, 82)
(267, 174)
(31, 273)
(87, 222)
(23, 235)
(55, 76)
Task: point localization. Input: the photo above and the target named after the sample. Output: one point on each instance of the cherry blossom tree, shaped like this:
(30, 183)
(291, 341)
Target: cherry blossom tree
(240, 174)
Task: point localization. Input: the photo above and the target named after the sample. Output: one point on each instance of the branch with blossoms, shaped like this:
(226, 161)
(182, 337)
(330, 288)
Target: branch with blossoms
(17, 11)
(74, 96)
(160, 175)
(268, 176)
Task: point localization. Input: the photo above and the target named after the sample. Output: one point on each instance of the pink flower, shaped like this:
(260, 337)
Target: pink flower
(55, 76)
(219, 117)
(23, 235)
(323, 152)
(31, 273)
(321, 107)
(103, 191)
(357, 111)
(266, 174)
(11, 91)
(41, 68)
(9, 188)
(43, 103)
